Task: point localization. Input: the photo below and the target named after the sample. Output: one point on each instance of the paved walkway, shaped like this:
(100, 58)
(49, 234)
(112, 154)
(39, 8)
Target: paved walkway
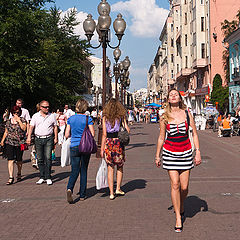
(28, 211)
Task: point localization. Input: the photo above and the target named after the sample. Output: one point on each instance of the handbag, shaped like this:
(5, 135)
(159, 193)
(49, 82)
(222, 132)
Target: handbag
(87, 144)
(190, 131)
(23, 146)
(123, 135)
(102, 176)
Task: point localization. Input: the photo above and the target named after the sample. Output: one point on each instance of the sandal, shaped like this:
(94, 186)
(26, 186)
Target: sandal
(178, 229)
(10, 181)
(19, 177)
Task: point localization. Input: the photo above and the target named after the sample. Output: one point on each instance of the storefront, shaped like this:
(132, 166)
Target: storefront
(201, 94)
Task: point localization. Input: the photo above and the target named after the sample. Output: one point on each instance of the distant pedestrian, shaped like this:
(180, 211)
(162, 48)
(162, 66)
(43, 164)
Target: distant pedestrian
(114, 114)
(68, 111)
(62, 121)
(94, 115)
(177, 150)
(79, 161)
(15, 130)
(46, 135)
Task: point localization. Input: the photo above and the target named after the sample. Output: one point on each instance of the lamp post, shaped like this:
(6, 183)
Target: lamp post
(124, 76)
(103, 30)
(161, 91)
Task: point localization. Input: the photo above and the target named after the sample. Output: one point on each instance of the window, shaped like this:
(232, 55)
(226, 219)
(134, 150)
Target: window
(201, 1)
(186, 61)
(172, 43)
(203, 50)
(202, 24)
(172, 58)
(185, 18)
(186, 39)
(177, 68)
(172, 74)
(171, 27)
(185, 1)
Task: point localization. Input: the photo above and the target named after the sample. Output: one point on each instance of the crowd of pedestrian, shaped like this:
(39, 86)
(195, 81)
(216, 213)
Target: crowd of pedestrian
(47, 128)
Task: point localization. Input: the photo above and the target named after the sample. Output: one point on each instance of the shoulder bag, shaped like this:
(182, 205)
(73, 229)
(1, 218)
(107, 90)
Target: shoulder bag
(190, 130)
(87, 144)
(123, 135)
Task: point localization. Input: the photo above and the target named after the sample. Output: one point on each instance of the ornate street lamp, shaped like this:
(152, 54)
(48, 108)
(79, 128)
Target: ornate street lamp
(103, 30)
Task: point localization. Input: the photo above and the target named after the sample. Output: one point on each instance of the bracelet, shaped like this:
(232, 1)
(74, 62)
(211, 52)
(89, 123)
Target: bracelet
(157, 158)
(198, 149)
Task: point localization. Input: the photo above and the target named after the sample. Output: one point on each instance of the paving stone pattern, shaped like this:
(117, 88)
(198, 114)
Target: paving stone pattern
(29, 211)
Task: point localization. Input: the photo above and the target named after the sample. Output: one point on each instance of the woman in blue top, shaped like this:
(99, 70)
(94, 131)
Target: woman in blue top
(79, 162)
(113, 114)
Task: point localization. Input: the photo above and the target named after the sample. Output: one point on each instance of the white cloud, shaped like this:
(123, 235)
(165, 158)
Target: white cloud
(147, 17)
(81, 16)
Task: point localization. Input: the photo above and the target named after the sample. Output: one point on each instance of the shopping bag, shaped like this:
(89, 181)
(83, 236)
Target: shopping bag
(65, 153)
(102, 176)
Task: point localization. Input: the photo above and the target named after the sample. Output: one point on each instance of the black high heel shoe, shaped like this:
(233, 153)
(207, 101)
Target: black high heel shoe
(10, 181)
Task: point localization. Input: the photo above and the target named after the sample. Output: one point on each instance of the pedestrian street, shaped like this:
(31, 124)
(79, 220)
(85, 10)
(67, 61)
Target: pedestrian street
(30, 211)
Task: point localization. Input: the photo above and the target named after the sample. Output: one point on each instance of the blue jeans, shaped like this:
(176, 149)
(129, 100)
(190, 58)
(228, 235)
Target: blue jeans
(79, 164)
(44, 148)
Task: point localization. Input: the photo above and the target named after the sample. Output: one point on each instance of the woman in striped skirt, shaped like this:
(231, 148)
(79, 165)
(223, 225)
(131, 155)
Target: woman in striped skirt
(176, 150)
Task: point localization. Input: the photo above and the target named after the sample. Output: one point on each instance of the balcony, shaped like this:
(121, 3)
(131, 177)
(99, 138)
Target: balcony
(184, 73)
(200, 63)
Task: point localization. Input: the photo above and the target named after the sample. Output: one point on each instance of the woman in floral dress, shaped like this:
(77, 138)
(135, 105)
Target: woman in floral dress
(114, 115)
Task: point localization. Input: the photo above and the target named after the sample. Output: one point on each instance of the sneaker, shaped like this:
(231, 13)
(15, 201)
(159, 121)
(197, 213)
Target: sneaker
(69, 196)
(49, 182)
(40, 181)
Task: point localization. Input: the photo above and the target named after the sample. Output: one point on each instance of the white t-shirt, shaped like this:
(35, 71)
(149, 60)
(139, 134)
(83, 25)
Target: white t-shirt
(68, 113)
(94, 114)
(25, 114)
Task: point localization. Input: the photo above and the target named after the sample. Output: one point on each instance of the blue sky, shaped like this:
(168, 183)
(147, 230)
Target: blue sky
(145, 19)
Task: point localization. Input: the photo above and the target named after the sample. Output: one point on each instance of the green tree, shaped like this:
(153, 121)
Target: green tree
(40, 56)
(219, 93)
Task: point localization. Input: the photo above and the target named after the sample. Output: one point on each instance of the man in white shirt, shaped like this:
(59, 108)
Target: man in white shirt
(94, 115)
(46, 134)
(68, 112)
(25, 113)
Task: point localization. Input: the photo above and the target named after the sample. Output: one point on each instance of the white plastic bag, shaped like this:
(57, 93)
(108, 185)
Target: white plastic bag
(65, 153)
(102, 176)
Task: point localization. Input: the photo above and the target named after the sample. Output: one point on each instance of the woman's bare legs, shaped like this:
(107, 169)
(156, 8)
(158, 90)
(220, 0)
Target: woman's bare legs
(184, 182)
(119, 177)
(19, 166)
(110, 179)
(175, 194)
(10, 168)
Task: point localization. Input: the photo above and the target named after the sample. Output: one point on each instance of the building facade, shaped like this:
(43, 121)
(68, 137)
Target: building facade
(191, 49)
(234, 63)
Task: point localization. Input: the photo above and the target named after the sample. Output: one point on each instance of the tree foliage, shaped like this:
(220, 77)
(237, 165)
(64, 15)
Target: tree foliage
(40, 56)
(220, 93)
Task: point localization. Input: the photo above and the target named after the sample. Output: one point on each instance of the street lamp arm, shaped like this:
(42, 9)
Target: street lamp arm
(119, 41)
(95, 47)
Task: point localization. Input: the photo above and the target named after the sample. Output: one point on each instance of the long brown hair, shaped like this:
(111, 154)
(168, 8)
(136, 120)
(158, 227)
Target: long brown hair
(168, 109)
(114, 110)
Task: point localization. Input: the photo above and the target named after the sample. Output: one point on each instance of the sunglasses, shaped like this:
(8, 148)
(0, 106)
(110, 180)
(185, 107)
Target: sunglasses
(45, 106)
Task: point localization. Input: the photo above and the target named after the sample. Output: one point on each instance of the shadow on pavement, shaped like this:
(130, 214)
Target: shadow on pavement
(194, 205)
(133, 185)
(60, 176)
(138, 145)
